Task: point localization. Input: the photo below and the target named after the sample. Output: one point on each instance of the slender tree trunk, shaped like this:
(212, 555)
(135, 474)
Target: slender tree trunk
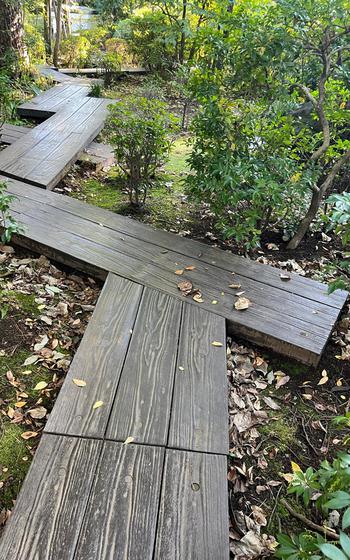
(183, 33)
(48, 28)
(12, 48)
(316, 201)
(58, 31)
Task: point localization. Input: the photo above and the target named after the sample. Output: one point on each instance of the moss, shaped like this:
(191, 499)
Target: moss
(14, 463)
(25, 302)
(15, 365)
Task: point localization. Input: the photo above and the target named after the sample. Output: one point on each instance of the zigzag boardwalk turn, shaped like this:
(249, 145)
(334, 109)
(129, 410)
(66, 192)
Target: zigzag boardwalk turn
(141, 475)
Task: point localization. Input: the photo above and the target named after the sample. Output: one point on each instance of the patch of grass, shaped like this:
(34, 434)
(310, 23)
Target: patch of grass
(280, 428)
(14, 463)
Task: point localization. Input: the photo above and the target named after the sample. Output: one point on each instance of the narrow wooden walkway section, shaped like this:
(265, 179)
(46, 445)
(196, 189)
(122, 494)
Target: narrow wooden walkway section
(149, 359)
(43, 155)
(132, 465)
(293, 317)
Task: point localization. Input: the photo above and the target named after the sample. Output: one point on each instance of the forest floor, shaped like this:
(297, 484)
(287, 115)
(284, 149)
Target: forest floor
(279, 410)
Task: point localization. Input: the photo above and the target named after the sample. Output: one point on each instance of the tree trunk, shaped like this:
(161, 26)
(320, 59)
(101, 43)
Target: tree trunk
(48, 28)
(316, 201)
(12, 48)
(58, 31)
(183, 34)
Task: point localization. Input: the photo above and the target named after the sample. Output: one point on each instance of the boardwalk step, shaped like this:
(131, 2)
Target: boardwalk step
(84, 499)
(139, 500)
(95, 239)
(100, 155)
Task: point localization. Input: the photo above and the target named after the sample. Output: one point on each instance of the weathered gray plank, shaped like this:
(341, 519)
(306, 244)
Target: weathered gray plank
(121, 517)
(142, 405)
(223, 260)
(193, 516)
(49, 511)
(100, 155)
(298, 339)
(98, 362)
(199, 410)
(43, 156)
(204, 276)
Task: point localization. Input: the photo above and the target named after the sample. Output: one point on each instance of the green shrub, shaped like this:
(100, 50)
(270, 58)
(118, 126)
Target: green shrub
(8, 224)
(140, 130)
(74, 51)
(340, 221)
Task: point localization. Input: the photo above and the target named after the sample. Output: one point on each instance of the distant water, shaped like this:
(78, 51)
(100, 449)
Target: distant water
(82, 18)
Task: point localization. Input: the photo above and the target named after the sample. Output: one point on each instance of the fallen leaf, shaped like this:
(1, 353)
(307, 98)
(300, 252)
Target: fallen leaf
(323, 380)
(79, 382)
(30, 360)
(282, 380)
(40, 386)
(215, 343)
(97, 404)
(191, 267)
(29, 435)
(198, 298)
(242, 303)
(235, 286)
(40, 345)
(295, 467)
(185, 287)
(179, 272)
(20, 404)
(271, 403)
(284, 276)
(129, 440)
(38, 413)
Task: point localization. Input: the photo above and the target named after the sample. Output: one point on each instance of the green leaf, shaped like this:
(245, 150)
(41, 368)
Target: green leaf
(340, 500)
(345, 543)
(346, 519)
(332, 552)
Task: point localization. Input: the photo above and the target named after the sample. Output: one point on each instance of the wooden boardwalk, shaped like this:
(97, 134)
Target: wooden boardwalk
(132, 465)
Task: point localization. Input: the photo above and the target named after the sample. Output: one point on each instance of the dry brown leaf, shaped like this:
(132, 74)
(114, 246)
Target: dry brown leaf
(235, 286)
(29, 435)
(40, 386)
(20, 404)
(79, 382)
(38, 413)
(185, 287)
(179, 272)
(198, 298)
(191, 267)
(242, 303)
(281, 380)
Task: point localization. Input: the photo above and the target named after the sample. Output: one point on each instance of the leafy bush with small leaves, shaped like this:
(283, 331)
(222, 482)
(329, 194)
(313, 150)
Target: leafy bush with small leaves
(340, 222)
(140, 130)
(322, 490)
(8, 224)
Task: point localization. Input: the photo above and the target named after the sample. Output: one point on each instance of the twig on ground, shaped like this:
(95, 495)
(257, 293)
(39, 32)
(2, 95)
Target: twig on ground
(318, 528)
(316, 451)
(274, 507)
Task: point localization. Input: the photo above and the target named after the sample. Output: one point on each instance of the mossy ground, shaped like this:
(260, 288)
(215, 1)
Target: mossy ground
(166, 206)
(14, 450)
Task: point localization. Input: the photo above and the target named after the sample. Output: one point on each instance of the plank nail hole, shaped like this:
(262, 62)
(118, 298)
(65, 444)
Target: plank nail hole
(195, 486)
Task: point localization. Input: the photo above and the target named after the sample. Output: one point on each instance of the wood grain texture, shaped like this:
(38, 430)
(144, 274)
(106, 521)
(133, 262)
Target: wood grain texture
(98, 362)
(49, 511)
(100, 155)
(199, 411)
(142, 404)
(193, 515)
(120, 522)
(298, 327)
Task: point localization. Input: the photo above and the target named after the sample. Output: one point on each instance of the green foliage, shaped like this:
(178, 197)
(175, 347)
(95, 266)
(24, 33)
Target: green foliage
(152, 41)
(7, 222)
(8, 102)
(260, 153)
(322, 490)
(140, 130)
(74, 51)
(340, 221)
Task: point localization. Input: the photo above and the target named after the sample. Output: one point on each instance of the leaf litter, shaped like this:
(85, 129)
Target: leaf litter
(46, 313)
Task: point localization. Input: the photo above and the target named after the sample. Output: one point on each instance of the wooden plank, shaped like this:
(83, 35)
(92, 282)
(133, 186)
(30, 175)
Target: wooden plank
(223, 260)
(199, 410)
(298, 339)
(193, 515)
(59, 77)
(100, 71)
(98, 362)
(143, 401)
(100, 155)
(50, 508)
(204, 276)
(121, 517)
(42, 158)
(47, 103)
